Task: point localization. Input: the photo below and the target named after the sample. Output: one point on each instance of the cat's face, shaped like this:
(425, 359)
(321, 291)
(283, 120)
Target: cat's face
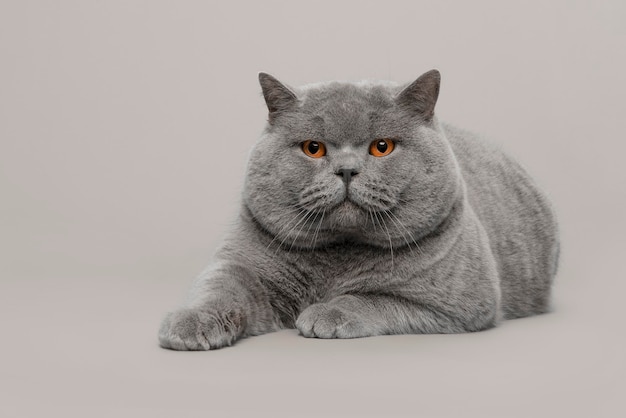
(341, 161)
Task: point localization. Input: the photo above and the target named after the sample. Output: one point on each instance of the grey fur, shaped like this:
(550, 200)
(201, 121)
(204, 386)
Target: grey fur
(445, 234)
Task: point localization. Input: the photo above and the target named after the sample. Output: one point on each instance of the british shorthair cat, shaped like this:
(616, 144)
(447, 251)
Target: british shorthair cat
(363, 214)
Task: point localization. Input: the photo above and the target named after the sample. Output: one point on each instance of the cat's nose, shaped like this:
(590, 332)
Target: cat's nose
(347, 174)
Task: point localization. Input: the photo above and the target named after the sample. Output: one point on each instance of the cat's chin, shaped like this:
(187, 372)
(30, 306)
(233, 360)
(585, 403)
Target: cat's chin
(347, 216)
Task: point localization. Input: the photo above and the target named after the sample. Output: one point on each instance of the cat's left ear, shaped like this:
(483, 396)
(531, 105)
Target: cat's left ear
(421, 95)
(278, 97)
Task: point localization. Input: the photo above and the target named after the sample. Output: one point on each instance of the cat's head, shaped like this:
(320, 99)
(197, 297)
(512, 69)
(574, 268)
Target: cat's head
(366, 162)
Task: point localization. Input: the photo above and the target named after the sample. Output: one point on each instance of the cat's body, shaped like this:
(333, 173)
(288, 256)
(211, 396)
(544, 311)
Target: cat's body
(444, 233)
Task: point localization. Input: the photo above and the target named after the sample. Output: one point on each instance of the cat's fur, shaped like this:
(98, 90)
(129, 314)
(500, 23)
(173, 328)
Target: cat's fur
(445, 234)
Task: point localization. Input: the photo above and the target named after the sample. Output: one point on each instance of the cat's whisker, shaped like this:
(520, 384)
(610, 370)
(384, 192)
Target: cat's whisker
(374, 220)
(388, 236)
(311, 224)
(419, 250)
(401, 233)
(378, 220)
(318, 228)
(369, 211)
(300, 217)
(304, 222)
(285, 227)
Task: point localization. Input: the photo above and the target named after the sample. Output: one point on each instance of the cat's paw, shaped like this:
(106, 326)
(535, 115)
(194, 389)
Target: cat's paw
(191, 329)
(323, 320)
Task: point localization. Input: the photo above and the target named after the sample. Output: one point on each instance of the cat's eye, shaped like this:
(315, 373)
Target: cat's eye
(381, 147)
(314, 149)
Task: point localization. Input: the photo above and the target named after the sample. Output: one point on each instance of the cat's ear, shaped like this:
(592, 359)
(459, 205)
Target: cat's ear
(278, 97)
(421, 95)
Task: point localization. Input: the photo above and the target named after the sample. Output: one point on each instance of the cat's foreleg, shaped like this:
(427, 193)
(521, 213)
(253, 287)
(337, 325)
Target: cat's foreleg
(354, 316)
(226, 303)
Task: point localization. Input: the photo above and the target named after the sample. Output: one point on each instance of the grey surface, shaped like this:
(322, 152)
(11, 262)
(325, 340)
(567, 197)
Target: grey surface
(121, 162)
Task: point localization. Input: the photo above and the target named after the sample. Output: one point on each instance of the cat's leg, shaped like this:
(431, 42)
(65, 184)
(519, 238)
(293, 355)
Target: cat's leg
(354, 316)
(227, 302)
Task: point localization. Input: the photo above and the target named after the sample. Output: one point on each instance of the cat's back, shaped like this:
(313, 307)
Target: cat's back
(517, 217)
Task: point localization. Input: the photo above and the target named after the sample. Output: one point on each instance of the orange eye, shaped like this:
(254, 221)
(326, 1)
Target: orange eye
(314, 149)
(381, 147)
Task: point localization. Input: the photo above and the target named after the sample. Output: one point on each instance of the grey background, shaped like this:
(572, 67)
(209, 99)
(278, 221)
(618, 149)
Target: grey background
(124, 132)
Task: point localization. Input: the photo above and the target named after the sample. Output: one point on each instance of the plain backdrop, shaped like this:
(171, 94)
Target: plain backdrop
(124, 133)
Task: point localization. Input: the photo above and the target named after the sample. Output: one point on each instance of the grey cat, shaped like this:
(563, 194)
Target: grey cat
(364, 215)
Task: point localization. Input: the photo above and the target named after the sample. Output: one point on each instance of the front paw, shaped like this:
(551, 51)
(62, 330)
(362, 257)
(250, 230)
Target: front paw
(192, 329)
(323, 320)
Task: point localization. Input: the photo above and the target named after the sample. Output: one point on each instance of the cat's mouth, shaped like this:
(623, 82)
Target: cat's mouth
(347, 204)
(347, 211)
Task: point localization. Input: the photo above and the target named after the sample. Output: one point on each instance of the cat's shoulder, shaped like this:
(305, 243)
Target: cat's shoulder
(473, 150)
(468, 142)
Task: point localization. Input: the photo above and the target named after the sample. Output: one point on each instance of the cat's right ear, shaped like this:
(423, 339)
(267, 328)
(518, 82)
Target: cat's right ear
(278, 97)
(421, 95)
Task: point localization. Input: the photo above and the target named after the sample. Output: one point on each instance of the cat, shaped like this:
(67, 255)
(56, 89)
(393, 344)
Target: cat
(362, 215)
